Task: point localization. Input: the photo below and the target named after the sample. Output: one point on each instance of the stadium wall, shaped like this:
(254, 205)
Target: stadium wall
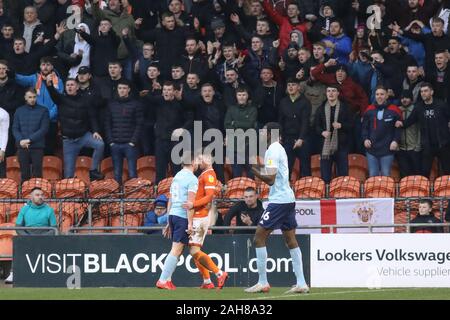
(136, 261)
(330, 260)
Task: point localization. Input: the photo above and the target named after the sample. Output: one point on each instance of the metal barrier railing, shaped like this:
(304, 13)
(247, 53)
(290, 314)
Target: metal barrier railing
(73, 231)
(90, 210)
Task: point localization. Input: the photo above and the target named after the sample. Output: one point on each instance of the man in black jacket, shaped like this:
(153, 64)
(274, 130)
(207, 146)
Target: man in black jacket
(210, 110)
(193, 61)
(30, 125)
(104, 46)
(294, 117)
(123, 125)
(169, 42)
(433, 116)
(439, 76)
(11, 97)
(77, 118)
(247, 212)
(170, 115)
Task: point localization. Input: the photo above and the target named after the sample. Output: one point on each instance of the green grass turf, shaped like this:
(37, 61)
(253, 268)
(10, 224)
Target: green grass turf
(225, 294)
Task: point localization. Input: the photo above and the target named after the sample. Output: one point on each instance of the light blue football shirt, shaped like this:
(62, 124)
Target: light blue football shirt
(280, 191)
(183, 182)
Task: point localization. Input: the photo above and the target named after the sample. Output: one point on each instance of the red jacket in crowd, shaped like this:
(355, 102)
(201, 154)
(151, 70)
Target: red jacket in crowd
(350, 92)
(286, 27)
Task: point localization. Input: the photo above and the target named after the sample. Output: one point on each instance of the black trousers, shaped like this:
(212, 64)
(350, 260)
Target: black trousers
(409, 163)
(51, 139)
(30, 161)
(3, 169)
(163, 150)
(303, 153)
(443, 155)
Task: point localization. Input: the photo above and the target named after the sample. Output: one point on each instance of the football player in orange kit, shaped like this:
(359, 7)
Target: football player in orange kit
(203, 202)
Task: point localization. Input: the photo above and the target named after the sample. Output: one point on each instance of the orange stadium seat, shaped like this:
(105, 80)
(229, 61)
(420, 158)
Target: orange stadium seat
(442, 187)
(146, 168)
(82, 168)
(6, 242)
(70, 211)
(236, 187)
(138, 188)
(411, 186)
(29, 185)
(13, 169)
(164, 187)
(8, 188)
(379, 187)
(103, 188)
(263, 189)
(129, 220)
(107, 168)
(414, 186)
(357, 167)
(309, 187)
(96, 222)
(10, 211)
(345, 187)
(70, 188)
(52, 168)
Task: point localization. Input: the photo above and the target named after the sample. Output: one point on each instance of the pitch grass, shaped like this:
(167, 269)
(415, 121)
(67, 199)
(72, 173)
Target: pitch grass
(225, 294)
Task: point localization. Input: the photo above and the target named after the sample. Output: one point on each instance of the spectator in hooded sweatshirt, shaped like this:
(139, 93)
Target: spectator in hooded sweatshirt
(413, 81)
(409, 155)
(30, 125)
(380, 134)
(158, 216)
(241, 115)
(287, 24)
(123, 125)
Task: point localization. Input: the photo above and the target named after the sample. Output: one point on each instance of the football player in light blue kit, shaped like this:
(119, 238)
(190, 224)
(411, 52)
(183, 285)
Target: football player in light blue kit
(182, 193)
(279, 214)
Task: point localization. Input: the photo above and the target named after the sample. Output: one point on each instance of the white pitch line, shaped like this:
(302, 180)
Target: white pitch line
(328, 293)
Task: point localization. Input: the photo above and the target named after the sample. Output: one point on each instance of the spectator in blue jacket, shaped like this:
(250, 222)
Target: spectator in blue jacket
(158, 216)
(415, 48)
(30, 126)
(37, 81)
(380, 134)
(361, 70)
(339, 45)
